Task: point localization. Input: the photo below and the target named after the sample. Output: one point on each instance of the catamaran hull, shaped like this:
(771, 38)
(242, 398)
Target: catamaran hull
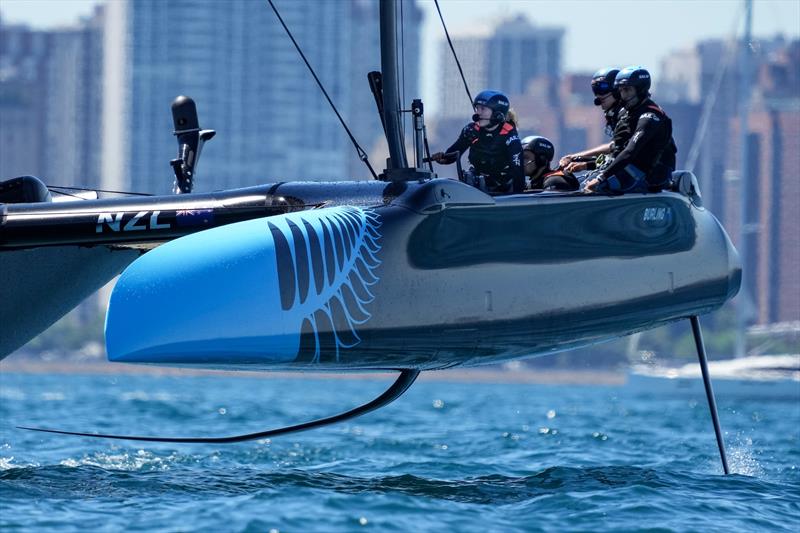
(55, 254)
(440, 275)
(40, 285)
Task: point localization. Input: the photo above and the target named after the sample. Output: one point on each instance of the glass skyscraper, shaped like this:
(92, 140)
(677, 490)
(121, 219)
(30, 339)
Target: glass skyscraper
(250, 85)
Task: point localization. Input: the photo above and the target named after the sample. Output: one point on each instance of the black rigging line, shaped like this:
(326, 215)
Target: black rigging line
(66, 194)
(195, 206)
(51, 187)
(447, 34)
(361, 153)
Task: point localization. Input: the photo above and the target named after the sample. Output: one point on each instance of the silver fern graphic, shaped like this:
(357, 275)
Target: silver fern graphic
(326, 265)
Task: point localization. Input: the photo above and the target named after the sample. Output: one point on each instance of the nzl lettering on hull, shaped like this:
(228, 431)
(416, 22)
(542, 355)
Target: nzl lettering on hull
(121, 221)
(130, 220)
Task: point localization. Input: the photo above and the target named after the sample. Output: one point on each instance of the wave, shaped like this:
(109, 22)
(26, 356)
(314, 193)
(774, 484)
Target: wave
(133, 474)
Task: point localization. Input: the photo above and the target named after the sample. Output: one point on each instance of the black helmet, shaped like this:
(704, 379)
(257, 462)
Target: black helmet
(603, 83)
(541, 147)
(636, 77)
(494, 100)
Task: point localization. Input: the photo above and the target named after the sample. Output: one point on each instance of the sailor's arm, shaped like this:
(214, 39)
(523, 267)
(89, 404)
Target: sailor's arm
(586, 154)
(460, 146)
(514, 148)
(646, 129)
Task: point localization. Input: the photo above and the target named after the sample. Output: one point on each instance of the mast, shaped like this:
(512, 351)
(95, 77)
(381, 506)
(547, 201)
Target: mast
(391, 98)
(746, 227)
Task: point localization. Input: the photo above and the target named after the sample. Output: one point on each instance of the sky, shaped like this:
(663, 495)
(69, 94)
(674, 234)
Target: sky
(598, 32)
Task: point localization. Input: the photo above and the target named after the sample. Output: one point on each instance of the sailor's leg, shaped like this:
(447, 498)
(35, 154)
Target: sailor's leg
(628, 179)
(564, 182)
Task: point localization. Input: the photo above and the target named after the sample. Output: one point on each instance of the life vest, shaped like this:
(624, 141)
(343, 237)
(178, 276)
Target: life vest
(660, 152)
(487, 150)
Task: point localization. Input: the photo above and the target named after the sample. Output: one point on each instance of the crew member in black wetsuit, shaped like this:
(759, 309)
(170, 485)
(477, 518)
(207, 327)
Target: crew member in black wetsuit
(537, 153)
(495, 151)
(608, 99)
(647, 161)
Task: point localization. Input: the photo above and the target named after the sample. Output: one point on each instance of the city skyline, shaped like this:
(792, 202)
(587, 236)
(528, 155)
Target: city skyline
(653, 37)
(249, 72)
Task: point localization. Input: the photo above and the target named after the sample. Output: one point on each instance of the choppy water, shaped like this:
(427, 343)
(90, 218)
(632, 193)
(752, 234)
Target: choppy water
(445, 457)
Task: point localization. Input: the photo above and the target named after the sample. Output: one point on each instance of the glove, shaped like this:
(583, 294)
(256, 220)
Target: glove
(576, 167)
(438, 157)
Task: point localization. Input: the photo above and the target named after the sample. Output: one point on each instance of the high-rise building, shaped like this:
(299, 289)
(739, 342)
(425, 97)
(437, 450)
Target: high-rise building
(707, 74)
(250, 85)
(22, 51)
(50, 102)
(519, 52)
(51, 108)
(453, 100)
(703, 75)
(508, 59)
(72, 105)
(774, 155)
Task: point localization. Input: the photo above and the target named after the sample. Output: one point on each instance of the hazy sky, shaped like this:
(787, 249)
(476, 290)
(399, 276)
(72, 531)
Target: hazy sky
(599, 32)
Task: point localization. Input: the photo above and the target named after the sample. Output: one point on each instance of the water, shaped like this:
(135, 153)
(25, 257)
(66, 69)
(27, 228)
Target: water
(445, 457)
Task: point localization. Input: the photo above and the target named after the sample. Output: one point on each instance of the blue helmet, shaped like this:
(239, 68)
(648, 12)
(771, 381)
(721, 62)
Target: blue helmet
(636, 77)
(494, 100)
(603, 83)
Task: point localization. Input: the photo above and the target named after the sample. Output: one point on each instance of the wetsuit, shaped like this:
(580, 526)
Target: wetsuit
(647, 159)
(618, 130)
(555, 180)
(496, 154)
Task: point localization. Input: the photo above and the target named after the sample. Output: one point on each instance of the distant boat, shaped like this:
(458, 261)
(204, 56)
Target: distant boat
(752, 368)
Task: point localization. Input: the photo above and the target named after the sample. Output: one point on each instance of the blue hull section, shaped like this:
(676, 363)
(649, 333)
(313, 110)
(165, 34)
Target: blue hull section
(434, 276)
(243, 293)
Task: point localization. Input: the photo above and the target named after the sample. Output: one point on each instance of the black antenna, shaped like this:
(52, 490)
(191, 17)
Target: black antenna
(190, 143)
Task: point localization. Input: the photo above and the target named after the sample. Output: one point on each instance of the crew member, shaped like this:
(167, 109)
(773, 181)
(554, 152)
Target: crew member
(495, 151)
(608, 99)
(647, 160)
(537, 153)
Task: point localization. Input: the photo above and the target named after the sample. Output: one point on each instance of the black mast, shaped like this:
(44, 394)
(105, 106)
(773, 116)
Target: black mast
(391, 98)
(397, 168)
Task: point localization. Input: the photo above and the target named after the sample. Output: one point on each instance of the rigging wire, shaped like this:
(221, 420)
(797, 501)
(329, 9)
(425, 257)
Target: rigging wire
(711, 98)
(450, 42)
(361, 153)
(51, 187)
(193, 207)
(66, 194)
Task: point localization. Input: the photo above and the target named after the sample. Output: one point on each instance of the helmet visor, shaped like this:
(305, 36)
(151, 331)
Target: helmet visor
(601, 87)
